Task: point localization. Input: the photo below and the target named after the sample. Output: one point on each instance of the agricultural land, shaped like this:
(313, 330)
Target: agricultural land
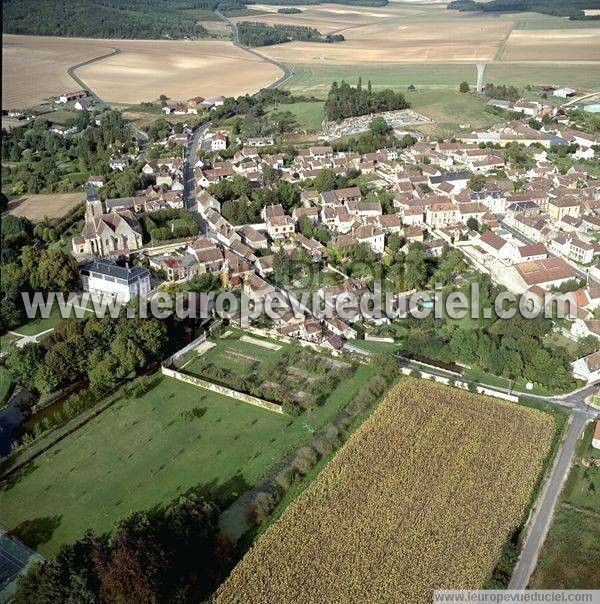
(424, 495)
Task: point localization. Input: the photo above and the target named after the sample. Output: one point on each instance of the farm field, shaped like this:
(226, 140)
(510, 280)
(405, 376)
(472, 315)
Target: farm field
(143, 452)
(449, 476)
(37, 207)
(145, 69)
(316, 78)
(35, 68)
(553, 44)
(570, 558)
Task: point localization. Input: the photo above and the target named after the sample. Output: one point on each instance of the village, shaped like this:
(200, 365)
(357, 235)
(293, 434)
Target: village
(493, 195)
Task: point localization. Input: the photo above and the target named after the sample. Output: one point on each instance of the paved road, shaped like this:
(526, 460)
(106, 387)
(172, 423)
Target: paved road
(541, 519)
(287, 72)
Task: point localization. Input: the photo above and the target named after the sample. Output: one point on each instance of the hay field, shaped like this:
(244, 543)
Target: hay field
(553, 45)
(423, 496)
(34, 68)
(403, 39)
(145, 69)
(37, 207)
(330, 17)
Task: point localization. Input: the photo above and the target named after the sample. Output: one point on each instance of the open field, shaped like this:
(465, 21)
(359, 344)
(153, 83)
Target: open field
(308, 115)
(37, 207)
(143, 452)
(145, 69)
(316, 78)
(35, 68)
(570, 558)
(449, 475)
(553, 44)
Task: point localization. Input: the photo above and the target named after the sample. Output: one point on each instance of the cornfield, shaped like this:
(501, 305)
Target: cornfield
(423, 496)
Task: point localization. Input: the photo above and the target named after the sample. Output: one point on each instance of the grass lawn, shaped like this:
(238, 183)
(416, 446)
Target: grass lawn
(39, 324)
(449, 108)
(555, 339)
(308, 115)
(142, 453)
(570, 558)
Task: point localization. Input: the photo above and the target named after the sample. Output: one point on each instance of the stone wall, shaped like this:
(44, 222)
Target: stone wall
(241, 396)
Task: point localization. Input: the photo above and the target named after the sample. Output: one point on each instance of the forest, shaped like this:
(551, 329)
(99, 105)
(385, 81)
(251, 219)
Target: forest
(259, 34)
(345, 101)
(136, 19)
(559, 8)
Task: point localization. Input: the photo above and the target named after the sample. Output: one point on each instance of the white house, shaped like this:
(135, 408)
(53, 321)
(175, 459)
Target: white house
(105, 278)
(497, 247)
(587, 368)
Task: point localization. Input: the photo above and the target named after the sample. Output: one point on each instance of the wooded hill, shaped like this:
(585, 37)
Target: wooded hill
(260, 34)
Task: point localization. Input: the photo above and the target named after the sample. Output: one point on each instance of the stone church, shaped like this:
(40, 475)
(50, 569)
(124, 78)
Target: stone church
(106, 233)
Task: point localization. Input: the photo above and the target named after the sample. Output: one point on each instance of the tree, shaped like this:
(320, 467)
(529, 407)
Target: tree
(476, 182)
(464, 87)
(473, 224)
(386, 365)
(379, 126)
(325, 180)
(394, 242)
(415, 270)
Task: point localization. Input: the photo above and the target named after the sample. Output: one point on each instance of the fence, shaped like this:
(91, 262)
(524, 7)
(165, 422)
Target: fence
(247, 398)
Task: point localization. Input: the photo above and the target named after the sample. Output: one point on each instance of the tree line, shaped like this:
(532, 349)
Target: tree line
(345, 101)
(559, 8)
(141, 19)
(260, 34)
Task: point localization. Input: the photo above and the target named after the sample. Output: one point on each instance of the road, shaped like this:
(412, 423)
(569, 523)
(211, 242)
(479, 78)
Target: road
(541, 519)
(287, 72)
(191, 157)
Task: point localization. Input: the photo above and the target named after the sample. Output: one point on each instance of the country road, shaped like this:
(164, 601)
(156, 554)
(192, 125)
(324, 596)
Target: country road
(541, 519)
(287, 72)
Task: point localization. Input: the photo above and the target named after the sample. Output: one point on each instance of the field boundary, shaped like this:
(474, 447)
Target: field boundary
(235, 394)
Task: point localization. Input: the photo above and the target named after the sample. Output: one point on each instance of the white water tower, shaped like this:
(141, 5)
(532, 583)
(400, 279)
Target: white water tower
(480, 70)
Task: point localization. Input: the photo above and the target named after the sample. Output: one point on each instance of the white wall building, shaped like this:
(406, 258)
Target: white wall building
(104, 278)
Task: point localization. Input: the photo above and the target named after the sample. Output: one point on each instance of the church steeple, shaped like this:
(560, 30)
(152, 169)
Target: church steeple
(94, 208)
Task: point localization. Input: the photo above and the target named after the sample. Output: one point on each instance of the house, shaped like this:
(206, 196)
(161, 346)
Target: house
(588, 369)
(583, 328)
(311, 213)
(218, 142)
(341, 196)
(339, 328)
(205, 202)
(62, 130)
(457, 180)
(561, 206)
(106, 279)
(532, 251)
(573, 248)
(372, 236)
(278, 226)
(439, 215)
(253, 238)
(497, 247)
(195, 101)
(83, 105)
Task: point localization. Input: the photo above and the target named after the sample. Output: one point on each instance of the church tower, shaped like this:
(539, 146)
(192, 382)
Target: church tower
(94, 208)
